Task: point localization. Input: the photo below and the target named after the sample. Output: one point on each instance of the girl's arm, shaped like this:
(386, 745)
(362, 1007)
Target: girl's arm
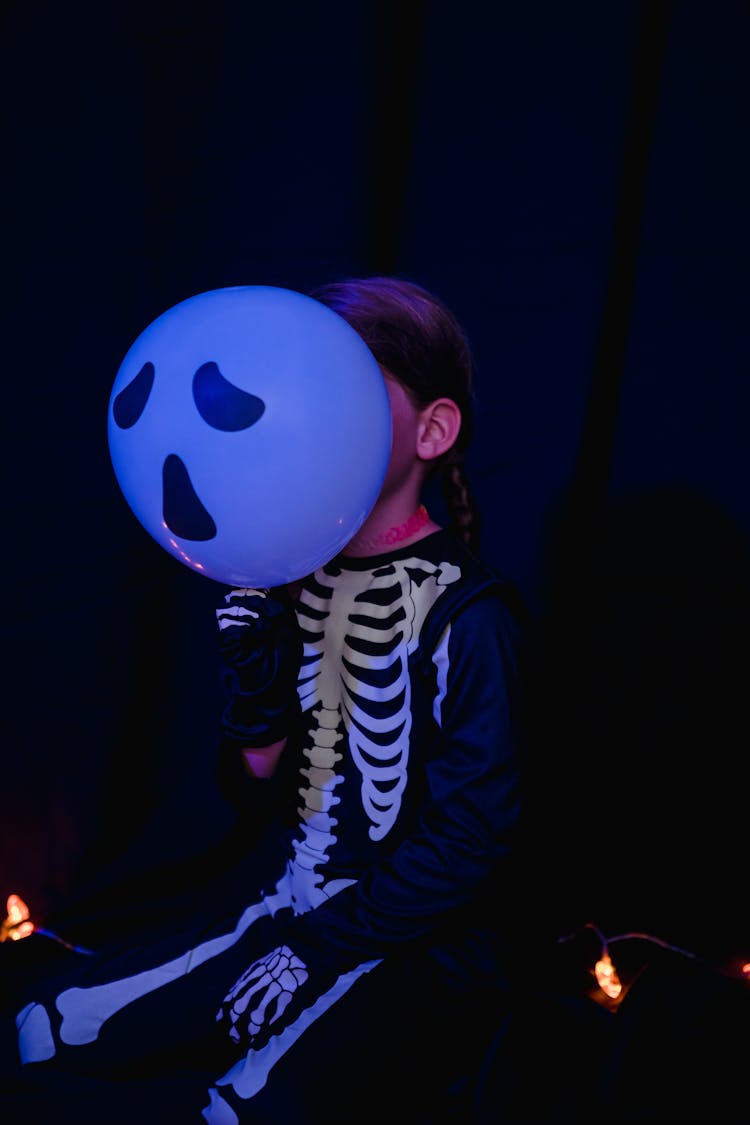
(260, 650)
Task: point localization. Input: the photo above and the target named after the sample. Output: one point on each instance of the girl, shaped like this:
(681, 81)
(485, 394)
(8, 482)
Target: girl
(371, 735)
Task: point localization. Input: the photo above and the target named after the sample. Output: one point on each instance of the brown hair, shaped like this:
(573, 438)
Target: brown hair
(418, 340)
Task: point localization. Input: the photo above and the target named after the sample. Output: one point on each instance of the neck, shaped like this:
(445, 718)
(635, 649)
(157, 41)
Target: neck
(378, 535)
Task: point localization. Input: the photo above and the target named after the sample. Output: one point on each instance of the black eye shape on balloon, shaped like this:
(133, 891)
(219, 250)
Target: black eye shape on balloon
(224, 407)
(130, 403)
(221, 404)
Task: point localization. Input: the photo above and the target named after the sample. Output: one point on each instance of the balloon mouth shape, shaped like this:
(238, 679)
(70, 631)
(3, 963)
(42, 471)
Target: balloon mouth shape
(250, 431)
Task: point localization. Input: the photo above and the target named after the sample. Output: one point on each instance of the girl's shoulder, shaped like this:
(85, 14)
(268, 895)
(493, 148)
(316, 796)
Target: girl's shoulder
(477, 584)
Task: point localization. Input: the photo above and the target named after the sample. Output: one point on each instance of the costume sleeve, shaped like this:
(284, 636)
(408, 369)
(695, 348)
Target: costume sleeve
(468, 819)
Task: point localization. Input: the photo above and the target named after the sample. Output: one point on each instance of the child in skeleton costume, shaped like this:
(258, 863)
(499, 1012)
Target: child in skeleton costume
(372, 724)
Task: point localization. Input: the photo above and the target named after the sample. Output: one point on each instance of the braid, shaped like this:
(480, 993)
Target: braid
(462, 512)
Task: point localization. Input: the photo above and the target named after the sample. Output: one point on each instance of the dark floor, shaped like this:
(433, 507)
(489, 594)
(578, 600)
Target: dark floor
(675, 1046)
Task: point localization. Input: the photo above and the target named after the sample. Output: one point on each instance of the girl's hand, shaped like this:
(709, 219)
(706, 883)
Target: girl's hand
(260, 648)
(261, 995)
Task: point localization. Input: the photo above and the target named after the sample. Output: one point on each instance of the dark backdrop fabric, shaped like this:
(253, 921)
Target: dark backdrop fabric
(572, 179)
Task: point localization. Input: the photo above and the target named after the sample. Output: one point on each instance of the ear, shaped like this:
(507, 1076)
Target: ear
(439, 426)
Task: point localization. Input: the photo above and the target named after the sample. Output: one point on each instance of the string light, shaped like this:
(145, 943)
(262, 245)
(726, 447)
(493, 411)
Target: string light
(604, 970)
(18, 925)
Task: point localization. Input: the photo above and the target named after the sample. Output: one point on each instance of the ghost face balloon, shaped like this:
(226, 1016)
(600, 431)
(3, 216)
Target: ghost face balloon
(250, 431)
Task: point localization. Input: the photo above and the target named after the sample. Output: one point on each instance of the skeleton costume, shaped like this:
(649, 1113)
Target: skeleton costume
(395, 808)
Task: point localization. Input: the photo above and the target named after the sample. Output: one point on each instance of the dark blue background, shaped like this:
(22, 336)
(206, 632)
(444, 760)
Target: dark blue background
(573, 180)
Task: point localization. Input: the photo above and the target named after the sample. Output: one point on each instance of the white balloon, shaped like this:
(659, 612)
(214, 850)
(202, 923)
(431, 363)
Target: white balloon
(250, 431)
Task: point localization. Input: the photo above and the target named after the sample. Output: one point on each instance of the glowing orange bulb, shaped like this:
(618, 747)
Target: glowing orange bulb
(17, 925)
(607, 978)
